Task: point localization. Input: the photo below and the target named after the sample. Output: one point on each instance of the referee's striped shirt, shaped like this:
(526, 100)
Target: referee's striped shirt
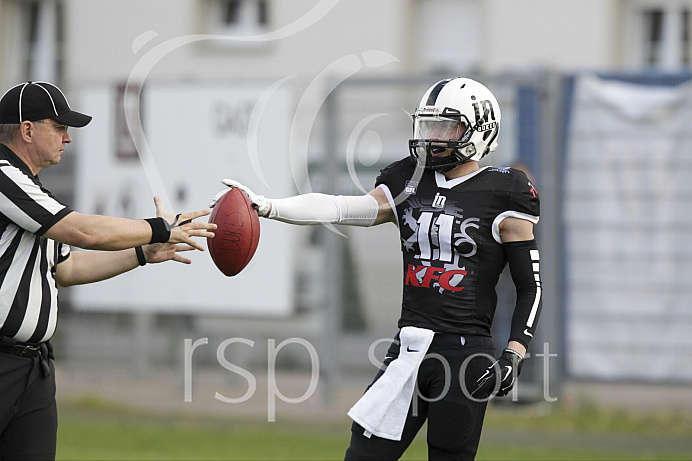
(28, 291)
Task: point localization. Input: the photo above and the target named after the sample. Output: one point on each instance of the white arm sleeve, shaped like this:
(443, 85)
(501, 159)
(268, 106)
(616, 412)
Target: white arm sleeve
(321, 209)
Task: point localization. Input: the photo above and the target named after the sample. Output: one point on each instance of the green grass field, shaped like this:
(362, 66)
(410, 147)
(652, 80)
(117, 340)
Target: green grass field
(94, 429)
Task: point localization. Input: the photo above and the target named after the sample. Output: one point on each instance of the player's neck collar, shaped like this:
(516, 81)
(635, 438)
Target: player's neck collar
(445, 183)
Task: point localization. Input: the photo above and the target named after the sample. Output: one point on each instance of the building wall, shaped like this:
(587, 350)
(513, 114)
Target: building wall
(102, 34)
(105, 40)
(552, 34)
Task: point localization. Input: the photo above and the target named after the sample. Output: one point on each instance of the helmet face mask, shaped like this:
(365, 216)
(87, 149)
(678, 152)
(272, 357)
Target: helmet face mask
(457, 121)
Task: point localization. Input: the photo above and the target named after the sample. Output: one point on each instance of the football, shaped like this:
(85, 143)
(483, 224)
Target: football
(237, 234)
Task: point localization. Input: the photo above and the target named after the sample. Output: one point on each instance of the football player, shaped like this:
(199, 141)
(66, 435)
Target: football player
(460, 224)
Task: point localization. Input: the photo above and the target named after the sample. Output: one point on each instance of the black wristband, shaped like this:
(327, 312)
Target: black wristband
(160, 230)
(140, 256)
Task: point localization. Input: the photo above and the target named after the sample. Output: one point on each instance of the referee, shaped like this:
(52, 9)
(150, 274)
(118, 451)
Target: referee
(36, 233)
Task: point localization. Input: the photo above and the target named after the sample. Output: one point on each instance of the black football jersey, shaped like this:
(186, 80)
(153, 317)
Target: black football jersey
(452, 252)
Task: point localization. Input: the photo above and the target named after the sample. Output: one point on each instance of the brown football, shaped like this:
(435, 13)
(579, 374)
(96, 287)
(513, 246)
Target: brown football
(237, 234)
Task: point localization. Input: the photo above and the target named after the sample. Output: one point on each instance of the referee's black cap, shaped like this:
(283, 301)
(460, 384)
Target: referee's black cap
(33, 101)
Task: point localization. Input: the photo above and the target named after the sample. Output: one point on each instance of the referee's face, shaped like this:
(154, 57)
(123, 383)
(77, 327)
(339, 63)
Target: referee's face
(50, 140)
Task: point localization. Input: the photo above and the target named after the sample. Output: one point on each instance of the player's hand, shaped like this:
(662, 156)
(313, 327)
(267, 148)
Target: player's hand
(261, 204)
(499, 378)
(182, 227)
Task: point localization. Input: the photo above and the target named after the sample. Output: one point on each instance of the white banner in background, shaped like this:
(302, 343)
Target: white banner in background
(628, 215)
(197, 135)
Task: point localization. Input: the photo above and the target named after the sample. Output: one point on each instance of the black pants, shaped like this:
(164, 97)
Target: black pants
(28, 413)
(454, 420)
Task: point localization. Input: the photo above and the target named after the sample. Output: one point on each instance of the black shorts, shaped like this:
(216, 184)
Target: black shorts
(442, 398)
(28, 413)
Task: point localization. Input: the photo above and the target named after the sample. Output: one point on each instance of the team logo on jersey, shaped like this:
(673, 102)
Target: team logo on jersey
(439, 201)
(428, 276)
(533, 190)
(411, 187)
(441, 242)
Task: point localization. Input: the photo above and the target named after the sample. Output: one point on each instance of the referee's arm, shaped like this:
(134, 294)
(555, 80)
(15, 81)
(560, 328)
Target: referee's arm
(88, 267)
(93, 266)
(98, 232)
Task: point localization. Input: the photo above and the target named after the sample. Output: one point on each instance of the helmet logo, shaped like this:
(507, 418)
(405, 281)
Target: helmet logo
(484, 113)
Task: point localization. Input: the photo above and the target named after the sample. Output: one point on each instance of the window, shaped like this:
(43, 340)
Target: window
(660, 34)
(37, 32)
(449, 36)
(239, 17)
(653, 36)
(685, 17)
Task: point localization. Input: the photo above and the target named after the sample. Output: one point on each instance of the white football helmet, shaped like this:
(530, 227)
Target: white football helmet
(458, 120)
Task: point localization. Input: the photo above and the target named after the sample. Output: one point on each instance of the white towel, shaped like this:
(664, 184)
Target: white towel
(383, 408)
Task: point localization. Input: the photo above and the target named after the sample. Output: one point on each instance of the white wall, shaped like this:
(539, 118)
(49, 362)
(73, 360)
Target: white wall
(554, 34)
(507, 35)
(101, 37)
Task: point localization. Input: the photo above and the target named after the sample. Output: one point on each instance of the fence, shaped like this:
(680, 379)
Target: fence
(348, 286)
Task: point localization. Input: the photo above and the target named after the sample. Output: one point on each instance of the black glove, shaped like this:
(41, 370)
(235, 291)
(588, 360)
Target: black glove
(507, 367)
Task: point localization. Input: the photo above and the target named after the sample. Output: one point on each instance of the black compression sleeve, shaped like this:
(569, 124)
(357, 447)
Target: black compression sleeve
(523, 262)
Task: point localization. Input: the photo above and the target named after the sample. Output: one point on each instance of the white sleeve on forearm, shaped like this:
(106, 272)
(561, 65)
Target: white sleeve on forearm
(322, 209)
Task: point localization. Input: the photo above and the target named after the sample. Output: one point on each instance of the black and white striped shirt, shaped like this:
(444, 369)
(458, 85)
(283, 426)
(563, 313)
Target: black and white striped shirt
(28, 291)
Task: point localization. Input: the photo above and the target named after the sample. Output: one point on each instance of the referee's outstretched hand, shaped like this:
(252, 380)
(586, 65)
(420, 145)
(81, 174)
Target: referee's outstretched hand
(161, 252)
(182, 226)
